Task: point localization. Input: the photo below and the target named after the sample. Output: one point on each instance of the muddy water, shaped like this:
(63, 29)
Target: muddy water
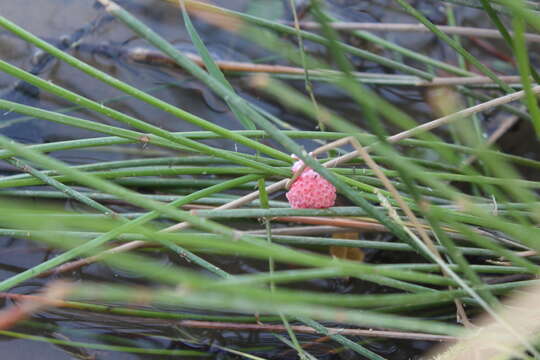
(102, 43)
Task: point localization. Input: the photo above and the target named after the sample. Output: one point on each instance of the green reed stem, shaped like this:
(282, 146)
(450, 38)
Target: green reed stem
(104, 347)
(306, 35)
(455, 45)
(138, 94)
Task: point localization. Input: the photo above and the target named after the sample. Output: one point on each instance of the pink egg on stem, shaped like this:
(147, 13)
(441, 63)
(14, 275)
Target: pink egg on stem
(310, 190)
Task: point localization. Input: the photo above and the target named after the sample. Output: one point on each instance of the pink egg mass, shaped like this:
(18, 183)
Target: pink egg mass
(310, 190)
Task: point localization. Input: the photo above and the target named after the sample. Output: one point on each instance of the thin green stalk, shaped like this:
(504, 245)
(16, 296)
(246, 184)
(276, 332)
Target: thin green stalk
(343, 62)
(484, 250)
(86, 124)
(207, 225)
(342, 187)
(284, 29)
(106, 197)
(409, 53)
(209, 241)
(263, 198)
(286, 95)
(342, 340)
(203, 286)
(480, 96)
(153, 269)
(369, 244)
(459, 259)
(153, 314)
(214, 244)
(170, 161)
(476, 4)
(177, 185)
(17, 180)
(356, 347)
(456, 46)
(10, 282)
(366, 318)
(463, 65)
(193, 258)
(486, 269)
(81, 197)
(136, 123)
(485, 243)
(307, 81)
(498, 23)
(524, 67)
(142, 171)
(104, 347)
(522, 9)
(77, 195)
(211, 66)
(65, 110)
(138, 94)
(201, 135)
(129, 134)
(290, 276)
(235, 100)
(505, 34)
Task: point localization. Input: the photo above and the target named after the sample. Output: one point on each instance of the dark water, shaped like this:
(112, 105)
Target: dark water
(60, 22)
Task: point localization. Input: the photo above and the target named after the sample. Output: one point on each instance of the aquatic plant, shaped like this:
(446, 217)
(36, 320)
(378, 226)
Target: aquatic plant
(451, 218)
